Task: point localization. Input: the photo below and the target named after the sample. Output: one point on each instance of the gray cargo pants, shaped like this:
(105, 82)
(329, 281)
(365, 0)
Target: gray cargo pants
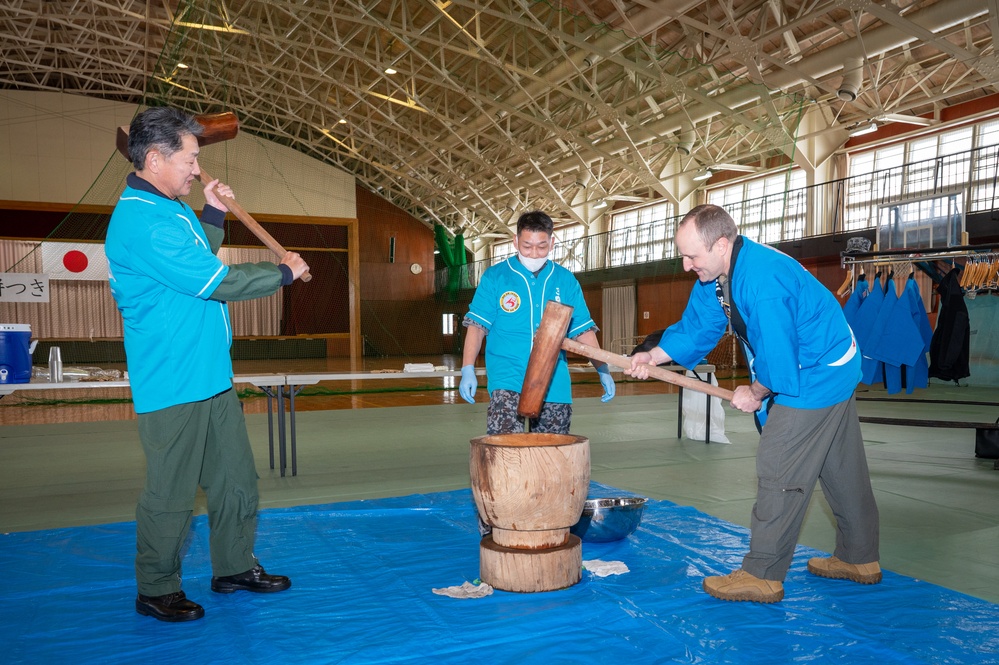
(798, 447)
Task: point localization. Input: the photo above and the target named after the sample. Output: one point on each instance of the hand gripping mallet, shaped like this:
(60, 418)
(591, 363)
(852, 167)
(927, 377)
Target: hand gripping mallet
(550, 340)
(222, 127)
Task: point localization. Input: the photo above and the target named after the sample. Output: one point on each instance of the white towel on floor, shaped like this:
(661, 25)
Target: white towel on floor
(466, 590)
(605, 568)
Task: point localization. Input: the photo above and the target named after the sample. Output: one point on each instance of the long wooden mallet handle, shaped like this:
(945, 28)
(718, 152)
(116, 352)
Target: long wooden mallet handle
(221, 127)
(250, 223)
(550, 340)
(624, 362)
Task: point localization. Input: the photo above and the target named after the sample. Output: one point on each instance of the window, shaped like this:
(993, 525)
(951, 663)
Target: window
(500, 251)
(642, 234)
(984, 168)
(936, 164)
(570, 247)
(768, 209)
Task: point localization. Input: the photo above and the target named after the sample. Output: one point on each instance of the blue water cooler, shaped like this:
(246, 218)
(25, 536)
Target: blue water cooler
(15, 353)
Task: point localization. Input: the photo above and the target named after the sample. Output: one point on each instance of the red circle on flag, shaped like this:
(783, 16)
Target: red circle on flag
(75, 260)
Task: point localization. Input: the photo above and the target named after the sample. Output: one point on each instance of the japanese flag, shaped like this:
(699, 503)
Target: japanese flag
(74, 260)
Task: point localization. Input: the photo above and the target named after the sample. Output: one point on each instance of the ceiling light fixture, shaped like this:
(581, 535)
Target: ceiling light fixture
(741, 168)
(907, 119)
(389, 71)
(702, 175)
(599, 204)
(869, 128)
(342, 121)
(202, 26)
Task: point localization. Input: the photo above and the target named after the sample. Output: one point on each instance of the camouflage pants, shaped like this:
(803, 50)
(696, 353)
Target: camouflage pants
(502, 416)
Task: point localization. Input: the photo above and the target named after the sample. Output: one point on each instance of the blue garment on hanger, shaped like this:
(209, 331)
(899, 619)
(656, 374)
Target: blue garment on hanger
(917, 375)
(851, 306)
(900, 342)
(866, 317)
(883, 339)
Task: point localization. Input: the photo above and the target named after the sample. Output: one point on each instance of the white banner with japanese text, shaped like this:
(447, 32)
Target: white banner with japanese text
(24, 287)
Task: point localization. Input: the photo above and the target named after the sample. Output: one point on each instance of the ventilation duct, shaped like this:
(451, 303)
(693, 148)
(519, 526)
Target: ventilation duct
(686, 143)
(853, 76)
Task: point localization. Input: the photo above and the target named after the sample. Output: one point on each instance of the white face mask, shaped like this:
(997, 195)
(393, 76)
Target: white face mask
(534, 265)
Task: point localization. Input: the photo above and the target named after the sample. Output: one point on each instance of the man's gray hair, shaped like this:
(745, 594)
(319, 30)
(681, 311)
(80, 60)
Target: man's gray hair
(162, 128)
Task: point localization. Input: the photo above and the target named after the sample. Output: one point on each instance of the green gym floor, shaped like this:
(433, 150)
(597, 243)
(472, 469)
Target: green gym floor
(938, 503)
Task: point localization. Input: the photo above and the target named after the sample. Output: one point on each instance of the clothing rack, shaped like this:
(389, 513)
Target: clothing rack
(980, 263)
(910, 255)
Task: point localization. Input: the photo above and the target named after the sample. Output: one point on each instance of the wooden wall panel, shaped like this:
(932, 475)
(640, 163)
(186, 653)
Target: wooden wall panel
(664, 298)
(379, 221)
(412, 328)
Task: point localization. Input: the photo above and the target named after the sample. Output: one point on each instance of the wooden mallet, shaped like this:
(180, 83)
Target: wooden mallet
(550, 340)
(221, 127)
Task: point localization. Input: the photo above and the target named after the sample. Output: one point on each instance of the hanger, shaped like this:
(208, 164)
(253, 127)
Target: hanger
(966, 273)
(993, 279)
(847, 284)
(974, 277)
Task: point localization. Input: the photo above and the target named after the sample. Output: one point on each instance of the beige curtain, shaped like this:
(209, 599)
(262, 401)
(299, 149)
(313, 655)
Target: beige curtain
(77, 309)
(619, 318)
(260, 317)
(81, 309)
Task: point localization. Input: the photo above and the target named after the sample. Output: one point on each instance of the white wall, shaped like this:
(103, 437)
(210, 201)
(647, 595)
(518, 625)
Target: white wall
(54, 146)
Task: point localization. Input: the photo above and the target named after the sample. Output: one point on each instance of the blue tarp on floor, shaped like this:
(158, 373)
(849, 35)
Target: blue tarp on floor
(362, 577)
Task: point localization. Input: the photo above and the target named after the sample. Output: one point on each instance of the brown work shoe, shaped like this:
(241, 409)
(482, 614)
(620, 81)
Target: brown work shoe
(837, 569)
(740, 585)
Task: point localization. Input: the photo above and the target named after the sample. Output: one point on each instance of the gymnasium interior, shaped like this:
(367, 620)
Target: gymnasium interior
(394, 144)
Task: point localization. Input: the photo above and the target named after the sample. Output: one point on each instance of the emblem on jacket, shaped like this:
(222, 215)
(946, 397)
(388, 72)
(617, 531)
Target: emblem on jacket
(510, 301)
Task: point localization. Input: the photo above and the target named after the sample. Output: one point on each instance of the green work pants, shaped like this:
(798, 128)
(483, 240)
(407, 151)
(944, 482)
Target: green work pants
(190, 445)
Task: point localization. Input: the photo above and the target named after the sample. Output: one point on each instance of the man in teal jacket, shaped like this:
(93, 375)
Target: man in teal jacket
(804, 366)
(171, 290)
(507, 307)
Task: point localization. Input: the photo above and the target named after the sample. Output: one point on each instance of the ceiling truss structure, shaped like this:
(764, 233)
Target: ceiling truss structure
(467, 112)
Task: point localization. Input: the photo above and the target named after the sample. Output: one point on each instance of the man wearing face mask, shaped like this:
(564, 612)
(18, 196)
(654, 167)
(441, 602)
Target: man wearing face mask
(507, 306)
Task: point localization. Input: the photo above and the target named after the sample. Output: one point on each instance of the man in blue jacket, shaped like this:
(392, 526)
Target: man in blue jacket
(171, 290)
(804, 367)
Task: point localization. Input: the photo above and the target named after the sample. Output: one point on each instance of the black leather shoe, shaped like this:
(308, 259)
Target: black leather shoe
(170, 607)
(255, 579)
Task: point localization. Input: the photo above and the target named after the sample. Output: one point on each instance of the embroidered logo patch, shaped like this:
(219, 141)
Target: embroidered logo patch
(510, 301)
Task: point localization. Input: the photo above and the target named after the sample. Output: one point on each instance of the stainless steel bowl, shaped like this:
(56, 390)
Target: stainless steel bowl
(604, 520)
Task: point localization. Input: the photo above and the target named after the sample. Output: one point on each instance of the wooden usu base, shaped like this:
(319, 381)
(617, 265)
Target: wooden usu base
(527, 571)
(530, 488)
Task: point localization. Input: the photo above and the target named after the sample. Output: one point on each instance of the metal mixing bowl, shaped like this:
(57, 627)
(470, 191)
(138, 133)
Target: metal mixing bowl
(604, 520)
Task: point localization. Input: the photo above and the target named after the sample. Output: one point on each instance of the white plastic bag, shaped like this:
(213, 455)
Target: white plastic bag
(694, 409)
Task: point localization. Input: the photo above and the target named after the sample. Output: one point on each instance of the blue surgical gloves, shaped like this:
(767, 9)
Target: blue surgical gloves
(607, 381)
(469, 384)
